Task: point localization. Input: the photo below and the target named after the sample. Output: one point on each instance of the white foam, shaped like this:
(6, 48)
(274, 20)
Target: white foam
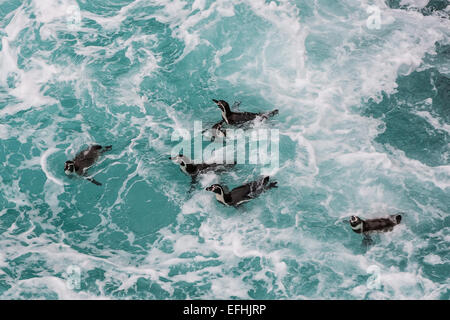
(414, 3)
(433, 259)
(315, 101)
(198, 4)
(43, 162)
(2, 261)
(433, 121)
(39, 286)
(4, 132)
(28, 86)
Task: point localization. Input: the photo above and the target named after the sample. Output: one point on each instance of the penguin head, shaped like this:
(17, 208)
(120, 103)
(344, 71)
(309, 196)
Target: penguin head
(69, 167)
(355, 221)
(216, 188)
(223, 106)
(217, 132)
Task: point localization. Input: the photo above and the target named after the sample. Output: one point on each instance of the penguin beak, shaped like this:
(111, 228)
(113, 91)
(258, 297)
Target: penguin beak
(209, 188)
(216, 101)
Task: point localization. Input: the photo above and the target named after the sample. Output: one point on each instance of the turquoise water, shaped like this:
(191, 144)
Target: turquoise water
(364, 129)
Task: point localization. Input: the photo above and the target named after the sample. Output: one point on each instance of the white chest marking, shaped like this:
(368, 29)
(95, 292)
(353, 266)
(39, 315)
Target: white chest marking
(218, 133)
(183, 168)
(220, 198)
(224, 116)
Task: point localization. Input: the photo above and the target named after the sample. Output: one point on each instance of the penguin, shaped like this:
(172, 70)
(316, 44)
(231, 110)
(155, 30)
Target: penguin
(84, 160)
(236, 118)
(191, 169)
(374, 225)
(216, 131)
(368, 227)
(241, 194)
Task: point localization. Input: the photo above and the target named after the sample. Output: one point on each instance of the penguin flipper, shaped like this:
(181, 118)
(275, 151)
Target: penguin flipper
(273, 184)
(242, 192)
(107, 148)
(269, 114)
(93, 181)
(269, 184)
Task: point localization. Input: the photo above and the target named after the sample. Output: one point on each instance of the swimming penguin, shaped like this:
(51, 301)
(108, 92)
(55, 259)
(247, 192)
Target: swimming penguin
(216, 131)
(85, 159)
(191, 169)
(243, 193)
(374, 225)
(235, 118)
